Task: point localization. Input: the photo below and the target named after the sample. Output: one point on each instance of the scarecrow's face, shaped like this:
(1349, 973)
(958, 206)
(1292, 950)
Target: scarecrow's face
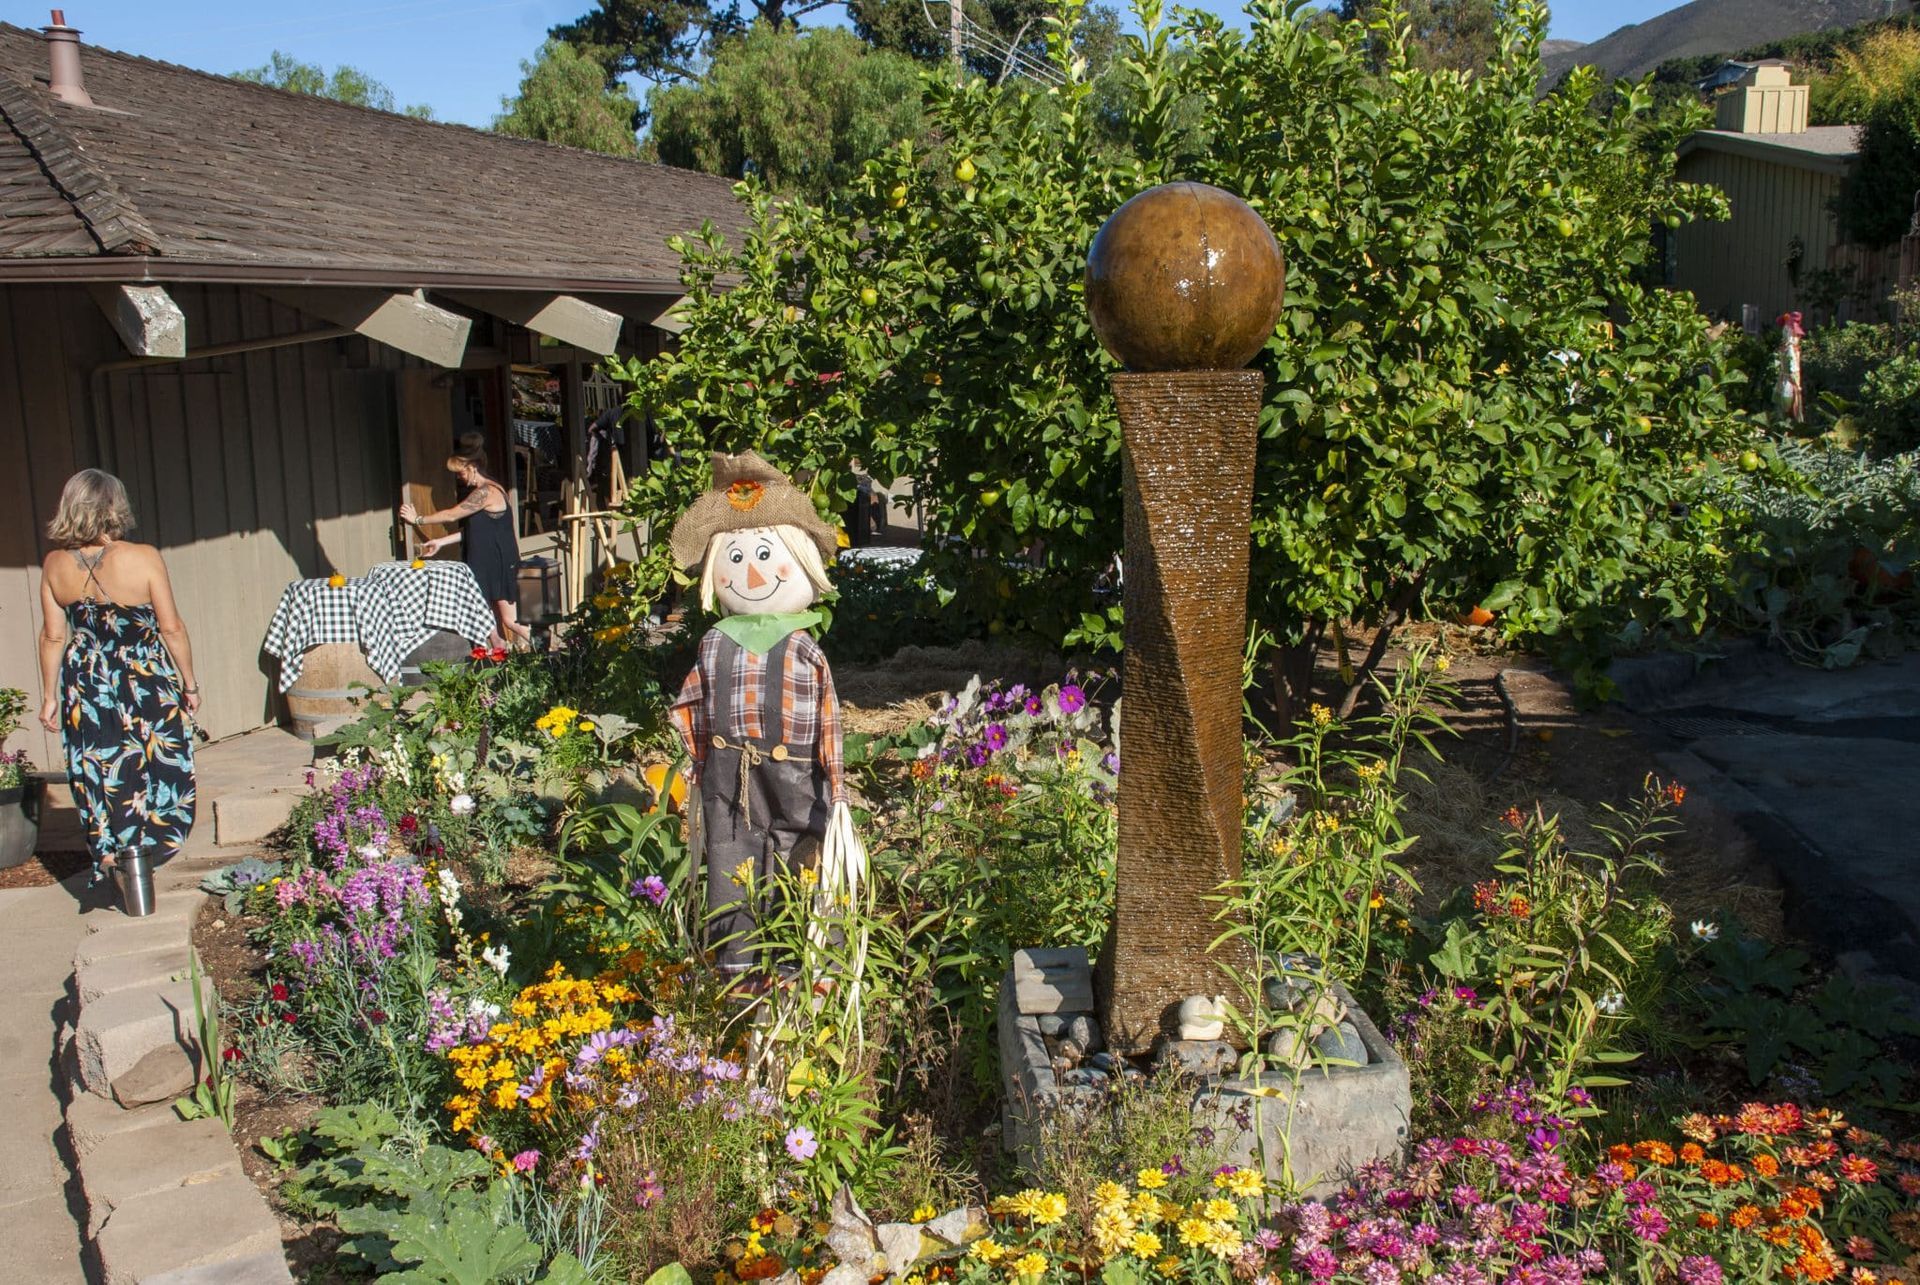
(756, 575)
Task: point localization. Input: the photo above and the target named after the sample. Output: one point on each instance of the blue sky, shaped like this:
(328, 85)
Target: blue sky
(458, 56)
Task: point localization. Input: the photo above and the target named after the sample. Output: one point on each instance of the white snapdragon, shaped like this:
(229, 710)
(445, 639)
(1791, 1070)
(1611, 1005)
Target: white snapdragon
(496, 958)
(1611, 1003)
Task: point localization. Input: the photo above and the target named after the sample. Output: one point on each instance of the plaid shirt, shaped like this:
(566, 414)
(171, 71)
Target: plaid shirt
(809, 710)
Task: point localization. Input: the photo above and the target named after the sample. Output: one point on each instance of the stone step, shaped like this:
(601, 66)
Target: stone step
(139, 1162)
(251, 816)
(137, 1046)
(204, 1229)
(171, 923)
(93, 1120)
(151, 968)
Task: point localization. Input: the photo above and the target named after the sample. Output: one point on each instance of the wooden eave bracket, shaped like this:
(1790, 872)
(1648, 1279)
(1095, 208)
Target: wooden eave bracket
(147, 319)
(564, 317)
(405, 321)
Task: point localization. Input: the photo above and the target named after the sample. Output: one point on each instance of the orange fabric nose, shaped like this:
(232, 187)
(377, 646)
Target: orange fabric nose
(754, 578)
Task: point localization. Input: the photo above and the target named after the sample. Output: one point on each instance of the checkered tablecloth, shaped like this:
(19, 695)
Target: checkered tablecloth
(386, 613)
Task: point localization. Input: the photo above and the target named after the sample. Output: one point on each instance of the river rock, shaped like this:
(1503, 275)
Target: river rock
(1196, 1057)
(1080, 1037)
(1342, 1041)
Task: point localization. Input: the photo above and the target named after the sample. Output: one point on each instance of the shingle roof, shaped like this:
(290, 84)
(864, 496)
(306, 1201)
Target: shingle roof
(214, 176)
(1830, 148)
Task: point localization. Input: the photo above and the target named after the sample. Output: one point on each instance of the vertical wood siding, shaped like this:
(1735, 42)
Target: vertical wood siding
(1744, 260)
(248, 471)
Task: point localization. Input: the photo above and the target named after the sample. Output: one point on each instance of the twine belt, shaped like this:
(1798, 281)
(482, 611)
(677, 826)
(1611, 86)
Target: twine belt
(751, 756)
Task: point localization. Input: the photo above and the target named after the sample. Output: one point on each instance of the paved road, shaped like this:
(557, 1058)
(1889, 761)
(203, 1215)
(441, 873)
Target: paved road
(1824, 770)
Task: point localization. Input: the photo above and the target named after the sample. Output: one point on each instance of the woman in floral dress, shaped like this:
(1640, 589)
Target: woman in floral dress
(116, 671)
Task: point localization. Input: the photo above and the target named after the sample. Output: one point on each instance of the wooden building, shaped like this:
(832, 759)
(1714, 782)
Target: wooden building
(1780, 177)
(268, 312)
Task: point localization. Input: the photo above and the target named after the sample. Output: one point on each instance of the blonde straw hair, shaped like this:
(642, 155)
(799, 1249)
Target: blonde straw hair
(93, 508)
(800, 547)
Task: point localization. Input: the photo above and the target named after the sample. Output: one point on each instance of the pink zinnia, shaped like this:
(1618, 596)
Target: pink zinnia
(525, 1161)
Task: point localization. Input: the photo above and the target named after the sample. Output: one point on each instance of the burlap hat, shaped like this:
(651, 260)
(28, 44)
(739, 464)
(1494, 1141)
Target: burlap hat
(747, 492)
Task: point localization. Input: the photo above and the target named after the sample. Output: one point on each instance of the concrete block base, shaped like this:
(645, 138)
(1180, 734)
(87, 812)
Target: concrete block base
(200, 1226)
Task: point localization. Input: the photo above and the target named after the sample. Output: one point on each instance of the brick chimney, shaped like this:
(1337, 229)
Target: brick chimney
(63, 60)
(1764, 101)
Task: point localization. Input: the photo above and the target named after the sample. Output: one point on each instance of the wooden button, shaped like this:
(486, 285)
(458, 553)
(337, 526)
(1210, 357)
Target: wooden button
(719, 742)
(779, 753)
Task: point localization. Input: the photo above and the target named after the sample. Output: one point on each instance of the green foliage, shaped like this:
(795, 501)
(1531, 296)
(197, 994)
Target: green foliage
(1861, 75)
(564, 98)
(1826, 568)
(666, 40)
(212, 1095)
(804, 111)
(423, 1215)
(607, 852)
(345, 85)
(1450, 35)
(1875, 204)
(1446, 236)
(1758, 998)
(233, 883)
(1564, 948)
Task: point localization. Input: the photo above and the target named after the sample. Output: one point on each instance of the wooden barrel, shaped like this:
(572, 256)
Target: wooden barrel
(325, 691)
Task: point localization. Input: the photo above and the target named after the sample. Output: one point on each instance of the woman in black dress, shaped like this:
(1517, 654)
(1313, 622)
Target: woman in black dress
(491, 547)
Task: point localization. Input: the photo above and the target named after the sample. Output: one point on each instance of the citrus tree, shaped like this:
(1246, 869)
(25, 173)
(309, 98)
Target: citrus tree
(1472, 396)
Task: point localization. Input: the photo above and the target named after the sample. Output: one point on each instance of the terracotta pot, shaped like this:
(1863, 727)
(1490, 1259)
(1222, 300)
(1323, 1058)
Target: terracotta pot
(19, 822)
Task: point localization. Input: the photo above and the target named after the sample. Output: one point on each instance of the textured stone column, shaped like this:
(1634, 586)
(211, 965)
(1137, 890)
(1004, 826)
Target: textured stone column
(1184, 286)
(1188, 450)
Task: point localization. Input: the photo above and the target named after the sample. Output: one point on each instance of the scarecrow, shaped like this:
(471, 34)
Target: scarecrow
(758, 712)
(1788, 395)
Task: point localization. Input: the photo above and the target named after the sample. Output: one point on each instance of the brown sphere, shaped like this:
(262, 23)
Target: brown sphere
(1185, 277)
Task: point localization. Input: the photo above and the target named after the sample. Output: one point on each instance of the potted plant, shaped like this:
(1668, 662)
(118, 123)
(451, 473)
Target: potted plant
(19, 787)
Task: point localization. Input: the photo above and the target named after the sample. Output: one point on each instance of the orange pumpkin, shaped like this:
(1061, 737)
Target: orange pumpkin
(1478, 618)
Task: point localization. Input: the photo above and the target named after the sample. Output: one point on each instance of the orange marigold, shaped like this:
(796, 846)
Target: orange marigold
(1619, 1152)
(1519, 907)
(1654, 1152)
(1692, 1153)
(1708, 1220)
(1720, 1173)
(1818, 1267)
(1744, 1217)
(1766, 1166)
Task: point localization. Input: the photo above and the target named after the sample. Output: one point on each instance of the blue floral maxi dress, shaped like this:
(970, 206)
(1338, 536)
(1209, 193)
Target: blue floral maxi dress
(128, 739)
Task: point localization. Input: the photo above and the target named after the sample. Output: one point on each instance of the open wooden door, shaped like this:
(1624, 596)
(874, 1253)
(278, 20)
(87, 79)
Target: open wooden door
(426, 439)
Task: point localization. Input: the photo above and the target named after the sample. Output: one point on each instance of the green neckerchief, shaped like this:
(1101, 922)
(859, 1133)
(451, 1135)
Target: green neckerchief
(760, 631)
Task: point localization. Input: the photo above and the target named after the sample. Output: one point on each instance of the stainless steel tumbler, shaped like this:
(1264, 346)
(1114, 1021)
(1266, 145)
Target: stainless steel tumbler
(136, 881)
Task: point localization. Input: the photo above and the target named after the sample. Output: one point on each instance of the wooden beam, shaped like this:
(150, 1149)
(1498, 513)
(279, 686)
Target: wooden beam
(150, 323)
(565, 317)
(404, 321)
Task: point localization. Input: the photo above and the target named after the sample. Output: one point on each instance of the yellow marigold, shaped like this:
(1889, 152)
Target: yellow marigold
(1050, 1208)
(987, 1250)
(506, 1096)
(1220, 1211)
(1144, 1244)
(1029, 1264)
(924, 1213)
(1168, 1267)
(1145, 1207)
(1195, 1231)
(1224, 1241)
(1244, 1184)
(1150, 1179)
(1110, 1195)
(1112, 1229)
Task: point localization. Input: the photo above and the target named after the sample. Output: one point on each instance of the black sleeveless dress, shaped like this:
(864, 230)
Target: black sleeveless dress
(493, 554)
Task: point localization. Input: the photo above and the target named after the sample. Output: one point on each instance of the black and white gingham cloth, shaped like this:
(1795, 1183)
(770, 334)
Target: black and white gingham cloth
(387, 613)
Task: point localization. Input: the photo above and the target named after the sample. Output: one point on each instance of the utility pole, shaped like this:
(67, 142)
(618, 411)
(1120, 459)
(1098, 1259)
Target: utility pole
(954, 49)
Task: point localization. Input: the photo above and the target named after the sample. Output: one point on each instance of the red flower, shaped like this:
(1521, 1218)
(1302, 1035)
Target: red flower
(409, 824)
(497, 655)
(231, 1055)
(478, 653)
(287, 1017)
(378, 1017)
(280, 992)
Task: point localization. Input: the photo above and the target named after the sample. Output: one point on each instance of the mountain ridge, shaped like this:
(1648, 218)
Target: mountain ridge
(1705, 27)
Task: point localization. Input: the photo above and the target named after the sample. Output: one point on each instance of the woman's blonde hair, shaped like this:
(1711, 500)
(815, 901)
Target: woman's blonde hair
(800, 547)
(93, 507)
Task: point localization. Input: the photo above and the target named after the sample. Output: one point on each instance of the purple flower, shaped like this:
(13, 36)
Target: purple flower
(1319, 1263)
(649, 1190)
(801, 1143)
(1267, 1239)
(1111, 762)
(1647, 1222)
(1173, 1168)
(978, 754)
(1072, 699)
(1699, 1269)
(996, 737)
(653, 888)
(1035, 705)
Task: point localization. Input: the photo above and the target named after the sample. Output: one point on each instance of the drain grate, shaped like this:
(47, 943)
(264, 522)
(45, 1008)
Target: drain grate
(1689, 727)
